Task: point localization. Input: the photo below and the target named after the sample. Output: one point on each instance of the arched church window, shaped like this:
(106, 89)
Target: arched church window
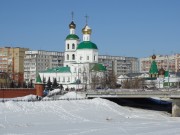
(94, 57)
(67, 56)
(73, 57)
(73, 46)
(87, 57)
(67, 46)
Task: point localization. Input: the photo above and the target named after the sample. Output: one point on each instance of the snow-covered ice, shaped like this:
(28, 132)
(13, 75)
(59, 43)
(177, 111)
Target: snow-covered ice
(82, 117)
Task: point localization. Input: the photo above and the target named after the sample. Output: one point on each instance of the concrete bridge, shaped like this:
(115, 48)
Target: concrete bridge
(130, 93)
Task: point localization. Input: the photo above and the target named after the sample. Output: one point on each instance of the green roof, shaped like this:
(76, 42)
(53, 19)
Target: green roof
(58, 70)
(153, 69)
(166, 74)
(87, 45)
(38, 79)
(72, 37)
(98, 67)
(149, 78)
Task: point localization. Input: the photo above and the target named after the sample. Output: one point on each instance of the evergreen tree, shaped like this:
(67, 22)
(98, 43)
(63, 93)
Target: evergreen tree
(24, 85)
(49, 83)
(12, 84)
(44, 80)
(55, 84)
(30, 84)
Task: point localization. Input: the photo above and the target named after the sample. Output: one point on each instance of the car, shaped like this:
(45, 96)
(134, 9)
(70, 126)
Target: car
(45, 92)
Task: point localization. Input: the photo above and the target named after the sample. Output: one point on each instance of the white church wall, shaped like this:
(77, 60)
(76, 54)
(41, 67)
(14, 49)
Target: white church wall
(71, 42)
(82, 55)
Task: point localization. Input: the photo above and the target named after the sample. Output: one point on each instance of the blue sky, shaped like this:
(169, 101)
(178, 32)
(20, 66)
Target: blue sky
(136, 28)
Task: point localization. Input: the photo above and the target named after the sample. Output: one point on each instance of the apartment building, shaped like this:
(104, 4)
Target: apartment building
(12, 62)
(177, 63)
(168, 62)
(119, 64)
(40, 60)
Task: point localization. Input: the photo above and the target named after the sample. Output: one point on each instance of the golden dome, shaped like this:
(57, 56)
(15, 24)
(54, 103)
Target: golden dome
(86, 30)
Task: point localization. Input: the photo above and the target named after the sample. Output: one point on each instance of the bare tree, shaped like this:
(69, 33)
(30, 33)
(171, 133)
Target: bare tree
(85, 78)
(133, 83)
(111, 80)
(94, 79)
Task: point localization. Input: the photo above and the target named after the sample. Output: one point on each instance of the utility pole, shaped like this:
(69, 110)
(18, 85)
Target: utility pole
(168, 70)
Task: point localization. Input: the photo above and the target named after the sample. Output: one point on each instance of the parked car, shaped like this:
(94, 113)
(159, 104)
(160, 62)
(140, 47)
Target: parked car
(45, 92)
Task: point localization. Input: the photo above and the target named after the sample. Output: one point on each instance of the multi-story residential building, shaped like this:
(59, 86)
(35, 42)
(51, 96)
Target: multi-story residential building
(167, 62)
(120, 65)
(177, 63)
(12, 62)
(40, 60)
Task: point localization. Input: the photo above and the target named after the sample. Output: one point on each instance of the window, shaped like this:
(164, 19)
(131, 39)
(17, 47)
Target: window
(63, 79)
(73, 57)
(94, 57)
(73, 46)
(67, 46)
(87, 57)
(67, 56)
(68, 79)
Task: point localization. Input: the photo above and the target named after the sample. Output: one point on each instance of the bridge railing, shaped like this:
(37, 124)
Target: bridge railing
(133, 93)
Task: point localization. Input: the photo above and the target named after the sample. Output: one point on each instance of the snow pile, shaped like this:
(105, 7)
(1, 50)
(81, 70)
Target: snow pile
(71, 95)
(27, 98)
(47, 98)
(86, 117)
(53, 92)
(13, 106)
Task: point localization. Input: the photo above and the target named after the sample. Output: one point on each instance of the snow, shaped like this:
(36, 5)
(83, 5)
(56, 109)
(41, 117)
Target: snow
(28, 97)
(71, 95)
(25, 98)
(54, 91)
(82, 117)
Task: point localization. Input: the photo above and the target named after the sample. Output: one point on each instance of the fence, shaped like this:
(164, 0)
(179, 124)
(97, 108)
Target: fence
(41, 100)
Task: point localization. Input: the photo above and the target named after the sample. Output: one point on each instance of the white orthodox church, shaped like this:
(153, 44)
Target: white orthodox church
(80, 61)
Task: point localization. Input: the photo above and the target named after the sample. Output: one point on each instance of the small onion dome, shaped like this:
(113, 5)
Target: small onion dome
(154, 57)
(161, 71)
(86, 30)
(72, 25)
